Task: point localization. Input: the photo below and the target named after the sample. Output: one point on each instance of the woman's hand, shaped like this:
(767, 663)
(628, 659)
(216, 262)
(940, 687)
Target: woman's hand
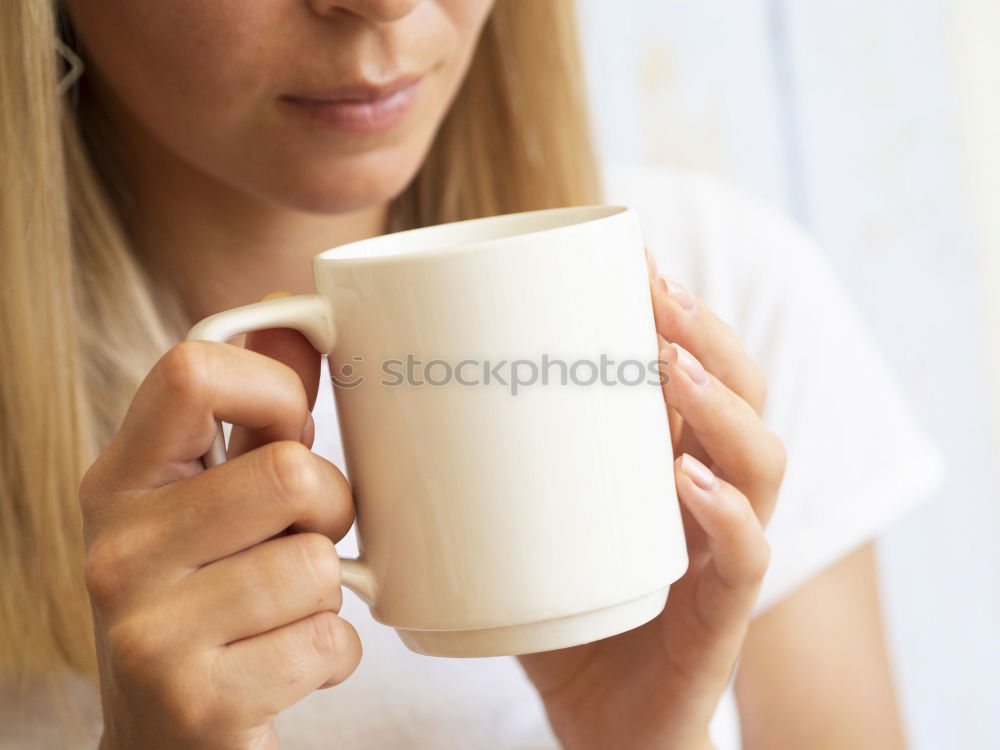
(209, 617)
(658, 685)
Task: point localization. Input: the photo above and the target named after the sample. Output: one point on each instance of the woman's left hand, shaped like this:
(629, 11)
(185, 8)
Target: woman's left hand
(657, 686)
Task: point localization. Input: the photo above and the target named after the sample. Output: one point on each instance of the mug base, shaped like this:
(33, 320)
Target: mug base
(545, 635)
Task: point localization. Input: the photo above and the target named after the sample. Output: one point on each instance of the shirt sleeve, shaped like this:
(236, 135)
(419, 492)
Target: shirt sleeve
(32, 717)
(858, 458)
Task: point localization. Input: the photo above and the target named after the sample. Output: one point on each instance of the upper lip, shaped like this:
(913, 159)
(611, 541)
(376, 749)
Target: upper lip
(359, 91)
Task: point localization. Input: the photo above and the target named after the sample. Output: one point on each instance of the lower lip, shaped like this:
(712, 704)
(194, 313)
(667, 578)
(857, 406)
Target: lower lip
(360, 117)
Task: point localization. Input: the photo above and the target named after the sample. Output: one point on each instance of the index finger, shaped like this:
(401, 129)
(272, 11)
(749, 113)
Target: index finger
(171, 421)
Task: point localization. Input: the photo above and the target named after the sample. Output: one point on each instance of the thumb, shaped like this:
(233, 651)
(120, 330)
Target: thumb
(292, 348)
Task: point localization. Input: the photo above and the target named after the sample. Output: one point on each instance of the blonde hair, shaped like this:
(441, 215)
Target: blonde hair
(82, 322)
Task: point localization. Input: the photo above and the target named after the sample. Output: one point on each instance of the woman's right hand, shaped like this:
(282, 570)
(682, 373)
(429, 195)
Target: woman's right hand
(209, 619)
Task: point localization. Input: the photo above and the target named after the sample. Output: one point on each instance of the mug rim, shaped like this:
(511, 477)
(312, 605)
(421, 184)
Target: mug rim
(356, 253)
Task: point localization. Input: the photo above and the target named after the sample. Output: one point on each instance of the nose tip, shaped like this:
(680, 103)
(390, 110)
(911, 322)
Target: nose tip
(382, 11)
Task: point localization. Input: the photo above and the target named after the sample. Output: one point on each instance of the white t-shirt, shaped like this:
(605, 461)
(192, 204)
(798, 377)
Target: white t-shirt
(856, 461)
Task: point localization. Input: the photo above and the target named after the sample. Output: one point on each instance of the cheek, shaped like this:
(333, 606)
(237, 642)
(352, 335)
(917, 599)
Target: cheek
(179, 67)
(466, 19)
(468, 15)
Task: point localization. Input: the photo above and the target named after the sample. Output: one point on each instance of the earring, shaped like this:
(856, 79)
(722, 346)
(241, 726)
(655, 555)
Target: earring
(65, 51)
(75, 71)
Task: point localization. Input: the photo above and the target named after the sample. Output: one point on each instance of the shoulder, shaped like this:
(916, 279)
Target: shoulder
(710, 228)
(689, 195)
(745, 257)
(668, 199)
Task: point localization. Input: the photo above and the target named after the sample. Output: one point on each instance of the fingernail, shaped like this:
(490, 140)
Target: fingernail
(679, 292)
(275, 295)
(699, 473)
(691, 366)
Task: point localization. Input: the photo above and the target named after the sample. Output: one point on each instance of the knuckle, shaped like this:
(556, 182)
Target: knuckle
(759, 559)
(183, 370)
(733, 411)
(756, 550)
(295, 391)
(328, 637)
(97, 491)
(136, 647)
(319, 556)
(287, 389)
(778, 461)
(761, 394)
(89, 489)
(293, 468)
(746, 534)
(100, 581)
(105, 567)
(756, 386)
(743, 517)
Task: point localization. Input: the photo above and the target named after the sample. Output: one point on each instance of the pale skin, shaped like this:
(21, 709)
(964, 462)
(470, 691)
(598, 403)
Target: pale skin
(216, 593)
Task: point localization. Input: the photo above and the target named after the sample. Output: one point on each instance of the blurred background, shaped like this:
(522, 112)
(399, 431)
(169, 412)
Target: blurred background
(876, 125)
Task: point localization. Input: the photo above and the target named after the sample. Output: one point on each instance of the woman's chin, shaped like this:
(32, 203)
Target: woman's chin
(344, 191)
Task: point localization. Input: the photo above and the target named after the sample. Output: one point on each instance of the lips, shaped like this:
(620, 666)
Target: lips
(360, 91)
(359, 108)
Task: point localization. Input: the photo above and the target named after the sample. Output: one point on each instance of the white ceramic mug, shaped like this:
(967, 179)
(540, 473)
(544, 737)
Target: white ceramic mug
(491, 519)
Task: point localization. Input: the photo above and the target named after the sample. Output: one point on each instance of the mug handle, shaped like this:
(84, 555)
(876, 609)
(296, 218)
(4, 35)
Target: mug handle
(311, 315)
